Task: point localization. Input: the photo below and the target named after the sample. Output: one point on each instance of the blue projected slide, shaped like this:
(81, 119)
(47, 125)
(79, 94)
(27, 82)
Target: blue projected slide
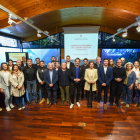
(130, 55)
(43, 54)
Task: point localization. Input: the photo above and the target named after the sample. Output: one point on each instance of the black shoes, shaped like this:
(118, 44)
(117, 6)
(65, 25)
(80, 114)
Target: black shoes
(29, 103)
(62, 102)
(118, 105)
(111, 104)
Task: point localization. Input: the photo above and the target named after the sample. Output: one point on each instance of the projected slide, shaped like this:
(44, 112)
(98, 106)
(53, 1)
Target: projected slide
(16, 56)
(81, 45)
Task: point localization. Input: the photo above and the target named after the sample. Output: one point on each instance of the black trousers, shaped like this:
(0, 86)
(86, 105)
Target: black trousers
(25, 86)
(100, 88)
(134, 92)
(83, 85)
(116, 90)
(78, 85)
(43, 91)
(90, 95)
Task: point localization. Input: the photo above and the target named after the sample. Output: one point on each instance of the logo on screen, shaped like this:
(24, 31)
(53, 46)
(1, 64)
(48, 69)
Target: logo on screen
(80, 35)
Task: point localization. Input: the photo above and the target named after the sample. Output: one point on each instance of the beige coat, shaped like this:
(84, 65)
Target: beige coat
(15, 82)
(88, 78)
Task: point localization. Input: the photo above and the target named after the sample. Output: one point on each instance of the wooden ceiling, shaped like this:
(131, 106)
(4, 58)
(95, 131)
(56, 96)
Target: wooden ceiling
(49, 14)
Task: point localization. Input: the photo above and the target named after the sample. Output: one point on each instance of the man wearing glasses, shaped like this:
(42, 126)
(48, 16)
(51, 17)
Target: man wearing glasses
(119, 75)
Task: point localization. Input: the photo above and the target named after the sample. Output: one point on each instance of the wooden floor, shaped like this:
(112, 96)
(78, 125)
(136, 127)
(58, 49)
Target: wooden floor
(37, 122)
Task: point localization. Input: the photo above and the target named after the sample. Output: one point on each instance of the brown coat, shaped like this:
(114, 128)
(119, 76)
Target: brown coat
(15, 82)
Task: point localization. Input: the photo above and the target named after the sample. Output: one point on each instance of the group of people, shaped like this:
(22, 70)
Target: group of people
(71, 79)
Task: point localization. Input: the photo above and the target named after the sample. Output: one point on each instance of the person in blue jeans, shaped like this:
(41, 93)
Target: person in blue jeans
(128, 84)
(30, 76)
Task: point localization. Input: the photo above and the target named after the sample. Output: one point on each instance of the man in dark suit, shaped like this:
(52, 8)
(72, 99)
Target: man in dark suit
(51, 78)
(76, 76)
(24, 63)
(96, 66)
(105, 75)
(84, 67)
(98, 63)
(69, 64)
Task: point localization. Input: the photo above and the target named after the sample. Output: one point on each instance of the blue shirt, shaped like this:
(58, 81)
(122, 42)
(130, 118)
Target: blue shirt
(51, 74)
(77, 71)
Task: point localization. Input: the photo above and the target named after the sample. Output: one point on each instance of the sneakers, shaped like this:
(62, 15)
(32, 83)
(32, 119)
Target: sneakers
(135, 105)
(127, 105)
(12, 106)
(8, 108)
(122, 102)
(23, 107)
(78, 104)
(0, 109)
(71, 106)
(19, 107)
(105, 106)
(98, 105)
(43, 100)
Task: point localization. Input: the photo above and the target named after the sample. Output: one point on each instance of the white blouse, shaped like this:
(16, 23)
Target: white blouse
(137, 74)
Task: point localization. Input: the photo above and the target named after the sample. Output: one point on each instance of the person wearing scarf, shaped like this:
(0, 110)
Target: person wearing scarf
(17, 86)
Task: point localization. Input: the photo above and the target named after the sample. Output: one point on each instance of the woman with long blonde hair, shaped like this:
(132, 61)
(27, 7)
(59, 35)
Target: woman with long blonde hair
(5, 85)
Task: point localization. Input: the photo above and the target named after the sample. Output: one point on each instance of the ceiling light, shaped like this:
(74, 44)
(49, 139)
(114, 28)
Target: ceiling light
(12, 22)
(38, 34)
(138, 28)
(51, 39)
(113, 39)
(124, 34)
